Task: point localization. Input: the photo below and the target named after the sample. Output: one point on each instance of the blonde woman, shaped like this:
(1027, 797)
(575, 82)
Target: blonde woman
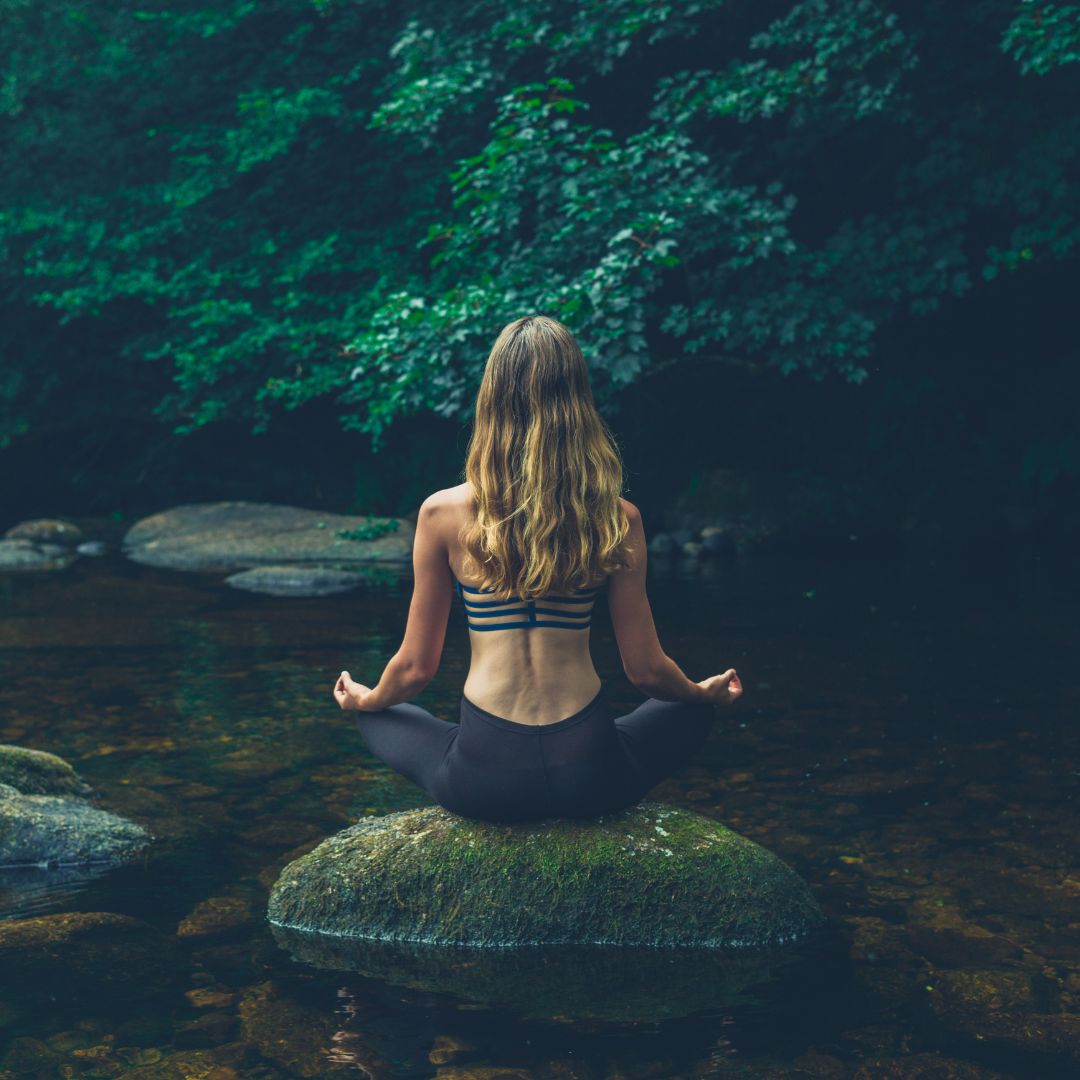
(531, 540)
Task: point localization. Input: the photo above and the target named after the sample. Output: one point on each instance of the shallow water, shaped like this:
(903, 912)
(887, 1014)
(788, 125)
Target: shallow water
(907, 742)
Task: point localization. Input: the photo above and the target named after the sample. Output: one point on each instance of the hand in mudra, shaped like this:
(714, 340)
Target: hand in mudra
(722, 689)
(348, 693)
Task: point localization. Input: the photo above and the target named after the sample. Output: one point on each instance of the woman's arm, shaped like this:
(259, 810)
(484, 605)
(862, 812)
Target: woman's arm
(399, 682)
(646, 664)
(668, 682)
(415, 663)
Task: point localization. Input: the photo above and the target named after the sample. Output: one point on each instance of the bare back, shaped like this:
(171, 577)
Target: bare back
(537, 676)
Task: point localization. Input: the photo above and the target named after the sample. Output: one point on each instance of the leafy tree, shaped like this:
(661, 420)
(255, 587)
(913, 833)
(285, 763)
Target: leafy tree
(291, 200)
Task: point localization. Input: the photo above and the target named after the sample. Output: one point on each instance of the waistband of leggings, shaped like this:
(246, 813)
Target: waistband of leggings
(470, 708)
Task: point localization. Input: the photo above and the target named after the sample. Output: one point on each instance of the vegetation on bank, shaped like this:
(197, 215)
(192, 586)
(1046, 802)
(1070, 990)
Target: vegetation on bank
(220, 214)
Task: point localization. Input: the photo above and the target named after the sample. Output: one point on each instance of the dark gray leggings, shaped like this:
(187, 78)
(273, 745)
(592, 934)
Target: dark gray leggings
(494, 769)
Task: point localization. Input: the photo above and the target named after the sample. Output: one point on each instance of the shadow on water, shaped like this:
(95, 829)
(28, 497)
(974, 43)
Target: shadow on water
(907, 743)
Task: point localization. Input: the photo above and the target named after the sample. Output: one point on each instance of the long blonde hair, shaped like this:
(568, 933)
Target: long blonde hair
(545, 468)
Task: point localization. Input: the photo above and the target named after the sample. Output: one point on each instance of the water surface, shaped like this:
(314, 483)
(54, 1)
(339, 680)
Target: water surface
(907, 742)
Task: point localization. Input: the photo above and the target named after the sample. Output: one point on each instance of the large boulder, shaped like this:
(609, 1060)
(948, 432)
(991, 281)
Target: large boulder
(235, 535)
(650, 875)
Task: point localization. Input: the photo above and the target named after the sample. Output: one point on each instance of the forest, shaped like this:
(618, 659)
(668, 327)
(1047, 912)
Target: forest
(261, 250)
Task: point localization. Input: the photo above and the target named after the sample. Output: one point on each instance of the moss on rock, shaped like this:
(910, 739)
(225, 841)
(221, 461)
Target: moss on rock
(35, 772)
(651, 875)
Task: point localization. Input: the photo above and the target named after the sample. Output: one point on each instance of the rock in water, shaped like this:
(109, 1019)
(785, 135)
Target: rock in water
(236, 535)
(294, 580)
(25, 555)
(35, 772)
(45, 530)
(45, 821)
(650, 875)
(51, 830)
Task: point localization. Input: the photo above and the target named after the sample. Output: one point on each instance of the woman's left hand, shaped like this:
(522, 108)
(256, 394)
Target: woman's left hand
(349, 694)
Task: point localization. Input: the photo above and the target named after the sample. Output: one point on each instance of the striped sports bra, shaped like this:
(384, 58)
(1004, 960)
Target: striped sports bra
(564, 612)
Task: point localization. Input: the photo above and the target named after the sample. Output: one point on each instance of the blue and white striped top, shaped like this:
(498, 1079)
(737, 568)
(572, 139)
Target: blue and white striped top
(572, 612)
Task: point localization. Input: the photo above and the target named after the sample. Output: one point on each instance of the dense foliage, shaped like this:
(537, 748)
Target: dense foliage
(291, 200)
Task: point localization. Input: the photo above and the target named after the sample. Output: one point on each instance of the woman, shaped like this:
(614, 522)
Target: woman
(529, 542)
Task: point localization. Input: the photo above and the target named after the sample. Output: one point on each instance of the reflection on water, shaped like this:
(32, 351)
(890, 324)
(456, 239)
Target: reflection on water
(32, 890)
(907, 742)
(583, 982)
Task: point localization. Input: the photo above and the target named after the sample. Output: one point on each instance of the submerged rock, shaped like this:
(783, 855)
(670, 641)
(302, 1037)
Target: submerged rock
(54, 830)
(924, 1066)
(216, 917)
(651, 875)
(234, 535)
(1000, 1009)
(69, 954)
(295, 580)
(294, 1036)
(35, 772)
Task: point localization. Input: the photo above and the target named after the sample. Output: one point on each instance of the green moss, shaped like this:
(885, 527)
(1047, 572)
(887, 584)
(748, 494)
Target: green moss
(34, 772)
(650, 875)
(371, 529)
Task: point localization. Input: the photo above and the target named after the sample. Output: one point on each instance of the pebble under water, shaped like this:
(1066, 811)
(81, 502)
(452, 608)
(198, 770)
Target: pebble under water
(907, 742)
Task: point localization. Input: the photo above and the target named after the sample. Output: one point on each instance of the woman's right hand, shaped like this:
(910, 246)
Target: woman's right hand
(722, 689)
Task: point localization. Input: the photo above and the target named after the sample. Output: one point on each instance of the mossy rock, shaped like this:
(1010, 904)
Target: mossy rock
(651, 875)
(54, 830)
(35, 772)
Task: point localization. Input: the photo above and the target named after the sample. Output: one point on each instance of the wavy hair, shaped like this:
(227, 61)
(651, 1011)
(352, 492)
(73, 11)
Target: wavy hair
(545, 469)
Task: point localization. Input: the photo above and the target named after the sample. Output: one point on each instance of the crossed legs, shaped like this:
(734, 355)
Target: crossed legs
(659, 737)
(408, 739)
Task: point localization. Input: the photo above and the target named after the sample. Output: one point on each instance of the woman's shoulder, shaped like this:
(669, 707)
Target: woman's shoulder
(457, 497)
